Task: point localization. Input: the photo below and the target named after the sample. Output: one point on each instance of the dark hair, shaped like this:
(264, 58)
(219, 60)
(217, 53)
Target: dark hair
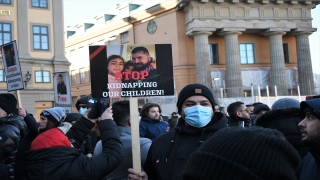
(173, 113)
(50, 125)
(233, 108)
(127, 64)
(121, 112)
(145, 109)
(222, 108)
(138, 49)
(60, 75)
(256, 103)
(114, 57)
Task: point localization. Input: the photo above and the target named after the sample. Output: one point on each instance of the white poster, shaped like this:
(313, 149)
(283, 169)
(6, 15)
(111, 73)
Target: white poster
(62, 93)
(11, 65)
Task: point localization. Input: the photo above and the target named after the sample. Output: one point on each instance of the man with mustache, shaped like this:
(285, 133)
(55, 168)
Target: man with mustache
(310, 130)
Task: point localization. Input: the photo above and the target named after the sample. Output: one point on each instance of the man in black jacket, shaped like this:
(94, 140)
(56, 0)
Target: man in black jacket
(170, 152)
(310, 129)
(52, 157)
(239, 114)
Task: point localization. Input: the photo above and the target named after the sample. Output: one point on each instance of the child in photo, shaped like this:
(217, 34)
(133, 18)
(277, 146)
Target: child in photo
(115, 65)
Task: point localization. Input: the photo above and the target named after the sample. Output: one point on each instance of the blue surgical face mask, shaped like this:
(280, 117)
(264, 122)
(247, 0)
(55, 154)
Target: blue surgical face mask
(198, 116)
(82, 110)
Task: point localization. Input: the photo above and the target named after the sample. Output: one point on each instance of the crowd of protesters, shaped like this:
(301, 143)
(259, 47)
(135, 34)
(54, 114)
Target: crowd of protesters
(201, 141)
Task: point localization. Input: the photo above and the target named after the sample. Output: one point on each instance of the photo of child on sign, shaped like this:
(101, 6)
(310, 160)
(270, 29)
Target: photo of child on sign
(132, 70)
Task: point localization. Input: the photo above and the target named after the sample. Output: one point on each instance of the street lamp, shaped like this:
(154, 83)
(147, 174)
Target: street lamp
(28, 77)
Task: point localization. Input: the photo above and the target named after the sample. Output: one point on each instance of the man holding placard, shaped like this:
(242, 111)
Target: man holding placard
(170, 152)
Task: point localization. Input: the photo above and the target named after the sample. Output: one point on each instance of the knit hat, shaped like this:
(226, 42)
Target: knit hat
(50, 138)
(285, 103)
(72, 117)
(193, 90)
(8, 103)
(82, 100)
(237, 153)
(313, 105)
(54, 114)
(260, 107)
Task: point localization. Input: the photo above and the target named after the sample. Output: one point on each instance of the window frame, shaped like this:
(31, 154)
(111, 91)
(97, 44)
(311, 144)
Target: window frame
(253, 53)
(9, 3)
(39, 2)
(42, 76)
(2, 32)
(40, 34)
(211, 45)
(3, 79)
(286, 55)
(124, 37)
(82, 72)
(73, 77)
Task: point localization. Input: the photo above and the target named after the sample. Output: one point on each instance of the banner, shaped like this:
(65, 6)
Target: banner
(62, 93)
(11, 66)
(131, 70)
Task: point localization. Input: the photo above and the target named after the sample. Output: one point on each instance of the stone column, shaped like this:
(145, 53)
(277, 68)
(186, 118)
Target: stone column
(201, 46)
(23, 29)
(305, 72)
(233, 64)
(277, 66)
(58, 37)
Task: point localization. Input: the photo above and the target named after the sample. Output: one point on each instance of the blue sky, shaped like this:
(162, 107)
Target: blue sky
(76, 11)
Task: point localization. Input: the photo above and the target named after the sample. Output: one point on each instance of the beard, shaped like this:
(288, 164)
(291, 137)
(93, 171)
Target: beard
(311, 139)
(141, 66)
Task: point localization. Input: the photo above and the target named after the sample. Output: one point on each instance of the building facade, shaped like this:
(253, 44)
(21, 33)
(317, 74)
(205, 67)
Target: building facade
(37, 27)
(248, 46)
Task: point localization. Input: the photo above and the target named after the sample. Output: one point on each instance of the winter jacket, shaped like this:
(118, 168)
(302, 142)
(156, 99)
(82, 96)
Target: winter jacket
(170, 152)
(68, 163)
(121, 172)
(76, 135)
(12, 129)
(4, 175)
(285, 121)
(310, 165)
(152, 128)
(234, 121)
(20, 172)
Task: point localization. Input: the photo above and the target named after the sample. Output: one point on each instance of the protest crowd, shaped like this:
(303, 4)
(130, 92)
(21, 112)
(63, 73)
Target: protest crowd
(201, 141)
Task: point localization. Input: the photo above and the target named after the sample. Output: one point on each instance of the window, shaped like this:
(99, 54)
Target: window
(286, 52)
(73, 77)
(213, 54)
(74, 100)
(82, 76)
(42, 76)
(40, 38)
(246, 53)
(5, 33)
(5, 1)
(39, 3)
(124, 37)
(2, 76)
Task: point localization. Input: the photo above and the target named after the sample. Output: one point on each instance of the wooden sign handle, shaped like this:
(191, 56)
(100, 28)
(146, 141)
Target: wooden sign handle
(19, 99)
(135, 134)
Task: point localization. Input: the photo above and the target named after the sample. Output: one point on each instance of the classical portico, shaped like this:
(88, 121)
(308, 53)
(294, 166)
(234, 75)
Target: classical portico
(269, 18)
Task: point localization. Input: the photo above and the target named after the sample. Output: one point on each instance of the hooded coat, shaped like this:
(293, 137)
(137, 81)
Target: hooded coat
(170, 152)
(68, 162)
(285, 121)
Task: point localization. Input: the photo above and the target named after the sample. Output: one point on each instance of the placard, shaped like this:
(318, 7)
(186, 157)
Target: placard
(62, 93)
(131, 70)
(11, 65)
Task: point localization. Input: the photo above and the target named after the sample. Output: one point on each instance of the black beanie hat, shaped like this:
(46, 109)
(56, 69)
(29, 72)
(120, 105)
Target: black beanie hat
(193, 90)
(8, 103)
(237, 153)
(260, 107)
(82, 100)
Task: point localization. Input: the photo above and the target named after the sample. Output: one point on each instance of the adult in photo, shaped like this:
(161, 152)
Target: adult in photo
(61, 87)
(9, 55)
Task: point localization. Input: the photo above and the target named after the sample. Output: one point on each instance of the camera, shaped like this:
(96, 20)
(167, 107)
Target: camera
(97, 105)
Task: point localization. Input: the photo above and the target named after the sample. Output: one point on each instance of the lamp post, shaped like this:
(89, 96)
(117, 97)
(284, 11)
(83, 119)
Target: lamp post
(27, 78)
